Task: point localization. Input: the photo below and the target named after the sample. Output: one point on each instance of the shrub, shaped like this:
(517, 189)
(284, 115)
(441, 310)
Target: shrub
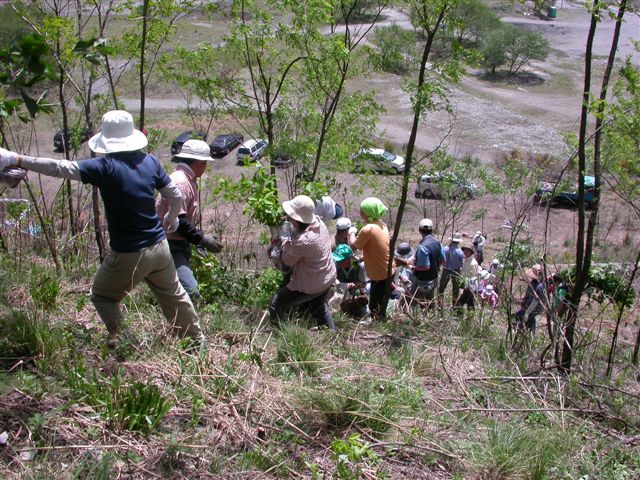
(396, 51)
(220, 283)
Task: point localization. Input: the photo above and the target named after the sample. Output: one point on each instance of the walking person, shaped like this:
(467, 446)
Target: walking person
(478, 241)
(191, 163)
(307, 251)
(373, 240)
(127, 178)
(454, 258)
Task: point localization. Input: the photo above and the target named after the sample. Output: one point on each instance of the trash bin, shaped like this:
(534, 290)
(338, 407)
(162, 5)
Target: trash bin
(551, 12)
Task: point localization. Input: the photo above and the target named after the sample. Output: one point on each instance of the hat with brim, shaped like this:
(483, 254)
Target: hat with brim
(117, 134)
(300, 208)
(533, 273)
(195, 150)
(468, 246)
(342, 252)
(457, 238)
(404, 250)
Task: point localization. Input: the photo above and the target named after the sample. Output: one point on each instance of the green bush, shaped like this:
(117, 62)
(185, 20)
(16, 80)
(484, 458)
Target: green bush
(220, 283)
(396, 51)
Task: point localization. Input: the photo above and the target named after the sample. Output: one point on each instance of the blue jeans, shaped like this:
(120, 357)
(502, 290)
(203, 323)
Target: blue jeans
(181, 254)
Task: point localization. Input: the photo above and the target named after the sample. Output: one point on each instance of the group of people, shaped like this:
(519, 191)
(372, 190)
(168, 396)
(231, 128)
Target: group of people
(308, 253)
(152, 241)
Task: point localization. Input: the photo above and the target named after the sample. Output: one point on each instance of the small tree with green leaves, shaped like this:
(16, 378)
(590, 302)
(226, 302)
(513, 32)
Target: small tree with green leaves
(396, 49)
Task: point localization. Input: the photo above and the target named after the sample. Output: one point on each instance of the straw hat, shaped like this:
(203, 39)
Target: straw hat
(117, 134)
(196, 150)
(300, 208)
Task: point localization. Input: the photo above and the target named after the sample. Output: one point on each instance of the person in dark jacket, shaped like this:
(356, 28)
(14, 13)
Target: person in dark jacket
(128, 179)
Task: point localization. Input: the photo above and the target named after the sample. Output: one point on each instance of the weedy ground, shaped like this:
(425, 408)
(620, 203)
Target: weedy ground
(420, 396)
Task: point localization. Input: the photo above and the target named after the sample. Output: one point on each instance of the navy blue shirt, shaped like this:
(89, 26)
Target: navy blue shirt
(128, 182)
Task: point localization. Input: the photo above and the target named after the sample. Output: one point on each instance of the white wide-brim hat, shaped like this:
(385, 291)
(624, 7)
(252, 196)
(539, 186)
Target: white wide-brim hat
(117, 134)
(300, 208)
(196, 150)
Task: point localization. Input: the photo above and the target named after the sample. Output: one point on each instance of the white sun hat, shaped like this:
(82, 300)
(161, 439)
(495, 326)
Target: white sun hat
(196, 150)
(300, 208)
(343, 223)
(117, 134)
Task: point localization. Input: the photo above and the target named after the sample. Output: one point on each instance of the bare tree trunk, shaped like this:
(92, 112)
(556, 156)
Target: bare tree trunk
(143, 48)
(614, 340)
(585, 237)
(418, 110)
(636, 348)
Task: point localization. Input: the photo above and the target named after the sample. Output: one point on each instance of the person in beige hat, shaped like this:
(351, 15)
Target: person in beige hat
(128, 179)
(307, 251)
(191, 163)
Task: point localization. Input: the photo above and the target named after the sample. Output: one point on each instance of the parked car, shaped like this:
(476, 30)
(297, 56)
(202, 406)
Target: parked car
(223, 144)
(377, 160)
(566, 196)
(176, 146)
(253, 149)
(433, 186)
(283, 160)
(85, 134)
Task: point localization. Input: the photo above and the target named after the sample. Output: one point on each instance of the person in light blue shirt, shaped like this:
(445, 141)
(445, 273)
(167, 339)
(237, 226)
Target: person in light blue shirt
(453, 258)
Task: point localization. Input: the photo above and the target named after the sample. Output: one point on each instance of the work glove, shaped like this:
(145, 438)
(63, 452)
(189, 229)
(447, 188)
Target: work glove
(211, 244)
(7, 158)
(170, 223)
(353, 230)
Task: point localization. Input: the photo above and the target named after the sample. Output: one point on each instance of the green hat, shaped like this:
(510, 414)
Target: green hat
(373, 208)
(342, 252)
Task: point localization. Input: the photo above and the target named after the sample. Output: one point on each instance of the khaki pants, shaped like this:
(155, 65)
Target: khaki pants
(121, 272)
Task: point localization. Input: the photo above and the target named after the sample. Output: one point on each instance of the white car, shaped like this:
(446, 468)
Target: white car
(377, 160)
(253, 149)
(431, 186)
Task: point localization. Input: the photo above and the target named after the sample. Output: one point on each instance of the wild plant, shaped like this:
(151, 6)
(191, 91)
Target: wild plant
(296, 350)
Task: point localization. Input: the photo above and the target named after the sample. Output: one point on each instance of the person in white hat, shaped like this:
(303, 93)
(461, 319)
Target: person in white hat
(428, 262)
(470, 274)
(342, 233)
(191, 163)
(127, 178)
(308, 252)
(478, 242)
(454, 258)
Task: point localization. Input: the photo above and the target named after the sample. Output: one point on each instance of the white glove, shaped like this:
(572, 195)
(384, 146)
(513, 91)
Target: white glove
(7, 158)
(170, 223)
(353, 230)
